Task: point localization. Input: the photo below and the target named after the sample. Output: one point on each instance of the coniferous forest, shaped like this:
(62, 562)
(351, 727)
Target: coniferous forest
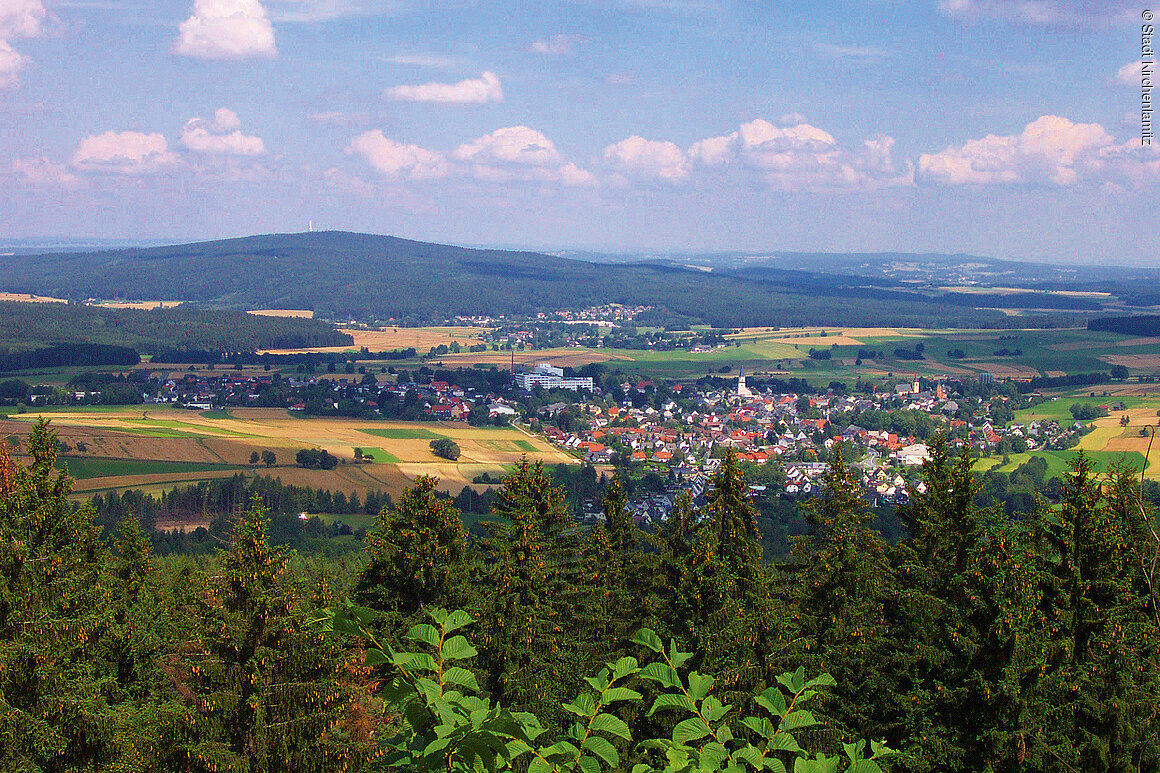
(977, 642)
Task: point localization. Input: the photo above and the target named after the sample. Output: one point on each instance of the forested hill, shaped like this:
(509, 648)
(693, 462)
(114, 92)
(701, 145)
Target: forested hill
(345, 275)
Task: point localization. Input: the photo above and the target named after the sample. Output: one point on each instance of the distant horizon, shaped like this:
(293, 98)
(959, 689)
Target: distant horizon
(1006, 128)
(49, 244)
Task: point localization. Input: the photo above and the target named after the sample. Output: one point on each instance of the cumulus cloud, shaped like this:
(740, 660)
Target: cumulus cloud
(123, 153)
(226, 29)
(18, 19)
(556, 45)
(220, 135)
(513, 153)
(398, 160)
(1044, 13)
(800, 157)
(519, 153)
(639, 158)
(1050, 149)
(485, 88)
(510, 145)
(1130, 74)
(44, 172)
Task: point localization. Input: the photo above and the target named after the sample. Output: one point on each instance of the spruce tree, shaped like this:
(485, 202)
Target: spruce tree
(961, 608)
(53, 612)
(844, 588)
(1092, 675)
(417, 557)
(528, 577)
(258, 687)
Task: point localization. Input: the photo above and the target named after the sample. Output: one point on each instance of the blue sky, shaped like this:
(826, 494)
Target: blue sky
(1007, 128)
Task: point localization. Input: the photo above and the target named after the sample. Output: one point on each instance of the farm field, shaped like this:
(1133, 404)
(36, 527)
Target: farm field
(156, 447)
(1108, 442)
(1016, 353)
(387, 339)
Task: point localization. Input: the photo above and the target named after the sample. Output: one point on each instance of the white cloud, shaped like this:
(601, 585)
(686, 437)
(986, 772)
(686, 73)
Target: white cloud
(124, 153)
(801, 157)
(1045, 13)
(18, 19)
(398, 160)
(519, 153)
(221, 135)
(485, 88)
(850, 52)
(226, 29)
(510, 145)
(639, 158)
(1050, 149)
(432, 61)
(42, 171)
(309, 11)
(556, 45)
(791, 119)
(510, 154)
(1130, 74)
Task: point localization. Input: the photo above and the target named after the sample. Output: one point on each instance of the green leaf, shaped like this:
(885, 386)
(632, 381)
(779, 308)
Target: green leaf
(712, 709)
(783, 742)
(712, 755)
(864, 766)
(760, 725)
(879, 749)
(414, 661)
(537, 765)
(776, 765)
(461, 677)
(584, 705)
(772, 701)
(661, 673)
(607, 723)
(426, 633)
(690, 730)
(601, 748)
(676, 656)
(626, 666)
(699, 685)
(640, 767)
(376, 657)
(456, 620)
(457, 648)
(822, 680)
(589, 765)
(724, 733)
(750, 756)
(796, 719)
(820, 764)
(671, 701)
(646, 637)
(614, 694)
(794, 682)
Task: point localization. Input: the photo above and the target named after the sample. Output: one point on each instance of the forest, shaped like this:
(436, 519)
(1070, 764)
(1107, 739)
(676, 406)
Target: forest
(53, 330)
(361, 276)
(975, 642)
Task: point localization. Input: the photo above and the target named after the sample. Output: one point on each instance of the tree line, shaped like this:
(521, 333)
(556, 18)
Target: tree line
(977, 642)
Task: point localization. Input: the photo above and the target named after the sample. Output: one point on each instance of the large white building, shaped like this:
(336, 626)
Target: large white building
(548, 377)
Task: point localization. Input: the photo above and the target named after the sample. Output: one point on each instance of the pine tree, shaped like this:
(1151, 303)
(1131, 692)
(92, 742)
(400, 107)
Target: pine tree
(260, 688)
(962, 605)
(417, 558)
(529, 603)
(844, 587)
(53, 611)
(1092, 671)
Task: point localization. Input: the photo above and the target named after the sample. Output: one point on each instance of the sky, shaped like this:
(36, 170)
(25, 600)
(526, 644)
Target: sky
(1002, 128)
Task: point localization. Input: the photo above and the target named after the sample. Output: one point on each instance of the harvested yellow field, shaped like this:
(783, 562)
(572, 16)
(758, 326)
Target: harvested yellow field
(1136, 361)
(296, 313)
(561, 358)
(27, 298)
(143, 305)
(387, 339)
(165, 434)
